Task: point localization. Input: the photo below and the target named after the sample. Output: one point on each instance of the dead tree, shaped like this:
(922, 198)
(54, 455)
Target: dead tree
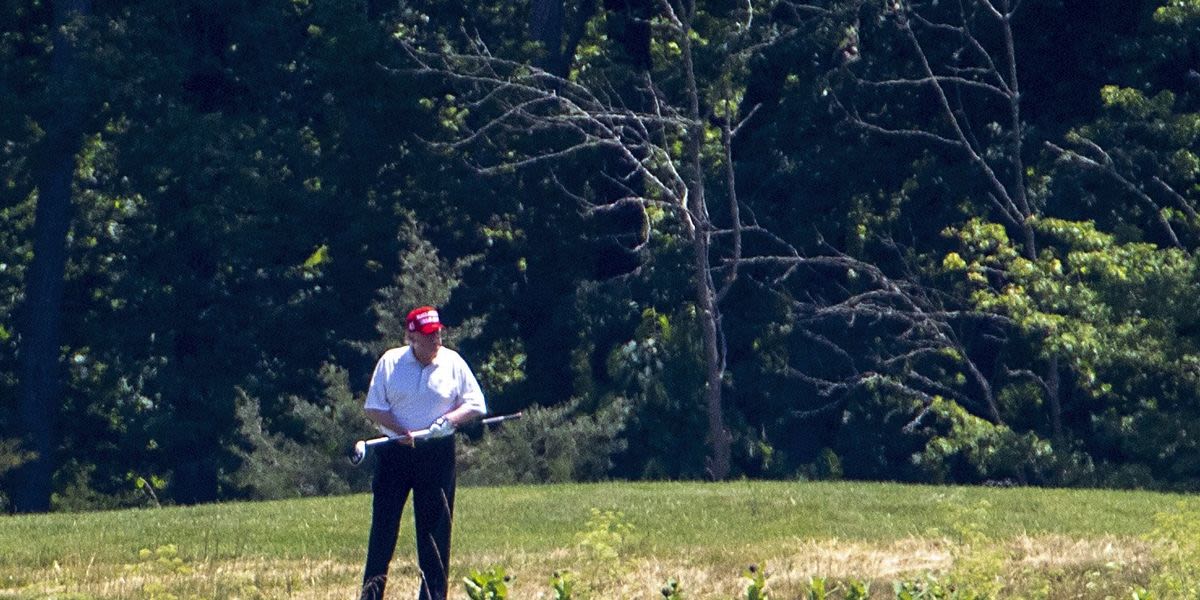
(666, 164)
(658, 141)
(969, 107)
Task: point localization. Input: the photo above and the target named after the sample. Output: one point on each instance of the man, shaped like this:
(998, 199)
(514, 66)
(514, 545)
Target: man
(420, 386)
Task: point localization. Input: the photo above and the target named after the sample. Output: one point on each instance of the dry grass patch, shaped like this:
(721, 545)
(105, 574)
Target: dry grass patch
(1060, 565)
(1057, 562)
(242, 578)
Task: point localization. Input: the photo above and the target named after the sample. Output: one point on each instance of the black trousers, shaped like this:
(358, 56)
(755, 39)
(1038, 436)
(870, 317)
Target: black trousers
(428, 472)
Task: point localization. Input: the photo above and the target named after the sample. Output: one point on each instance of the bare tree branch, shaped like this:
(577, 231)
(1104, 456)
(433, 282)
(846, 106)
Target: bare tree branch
(1108, 167)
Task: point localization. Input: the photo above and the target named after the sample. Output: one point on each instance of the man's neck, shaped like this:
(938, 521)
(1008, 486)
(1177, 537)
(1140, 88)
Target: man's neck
(425, 361)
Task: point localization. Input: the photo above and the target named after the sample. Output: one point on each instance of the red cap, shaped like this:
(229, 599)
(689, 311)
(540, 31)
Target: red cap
(424, 319)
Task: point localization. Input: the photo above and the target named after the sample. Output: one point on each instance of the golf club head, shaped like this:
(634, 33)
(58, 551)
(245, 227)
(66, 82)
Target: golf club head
(360, 452)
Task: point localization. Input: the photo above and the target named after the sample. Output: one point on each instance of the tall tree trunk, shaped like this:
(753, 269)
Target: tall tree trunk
(1054, 399)
(546, 23)
(719, 440)
(41, 384)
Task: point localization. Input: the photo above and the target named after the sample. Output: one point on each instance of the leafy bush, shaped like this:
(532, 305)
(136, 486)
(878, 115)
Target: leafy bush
(658, 377)
(548, 445)
(275, 465)
(11, 457)
(968, 449)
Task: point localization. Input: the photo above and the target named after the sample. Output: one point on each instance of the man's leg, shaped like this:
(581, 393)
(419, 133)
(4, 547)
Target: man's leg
(433, 506)
(389, 493)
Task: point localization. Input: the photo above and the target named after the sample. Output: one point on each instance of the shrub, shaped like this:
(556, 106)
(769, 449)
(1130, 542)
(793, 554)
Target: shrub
(548, 445)
(275, 465)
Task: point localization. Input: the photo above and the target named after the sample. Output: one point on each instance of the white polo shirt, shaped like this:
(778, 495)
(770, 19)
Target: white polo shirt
(417, 395)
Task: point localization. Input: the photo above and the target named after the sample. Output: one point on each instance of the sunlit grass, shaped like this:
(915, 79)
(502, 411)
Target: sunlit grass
(702, 534)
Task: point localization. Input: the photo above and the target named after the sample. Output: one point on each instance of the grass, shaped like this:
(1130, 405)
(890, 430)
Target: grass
(703, 534)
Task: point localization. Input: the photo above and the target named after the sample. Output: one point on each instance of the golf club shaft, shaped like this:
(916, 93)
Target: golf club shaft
(421, 433)
(362, 446)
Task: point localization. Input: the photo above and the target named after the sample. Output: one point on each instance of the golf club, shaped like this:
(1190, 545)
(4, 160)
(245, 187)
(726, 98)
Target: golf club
(362, 446)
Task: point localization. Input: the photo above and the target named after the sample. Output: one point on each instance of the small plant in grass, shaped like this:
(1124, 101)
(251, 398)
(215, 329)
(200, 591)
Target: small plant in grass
(163, 560)
(603, 541)
(755, 579)
(978, 559)
(562, 583)
(605, 534)
(672, 590)
(491, 584)
(858, 590)
(926, 588)
(816, 588)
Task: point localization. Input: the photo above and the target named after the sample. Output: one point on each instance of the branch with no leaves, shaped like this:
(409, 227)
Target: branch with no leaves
(949, 130)
(1107, 166)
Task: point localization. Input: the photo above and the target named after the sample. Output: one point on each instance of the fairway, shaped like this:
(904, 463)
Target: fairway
(619, 539)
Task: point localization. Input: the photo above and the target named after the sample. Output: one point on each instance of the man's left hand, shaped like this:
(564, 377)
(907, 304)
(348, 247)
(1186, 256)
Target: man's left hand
(441, 428)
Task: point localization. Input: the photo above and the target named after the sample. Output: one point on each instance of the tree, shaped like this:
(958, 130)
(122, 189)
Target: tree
(665, 133)
(41, 378)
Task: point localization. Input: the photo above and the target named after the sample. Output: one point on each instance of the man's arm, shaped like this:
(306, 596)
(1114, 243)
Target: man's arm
(463, 415)
(384, 418)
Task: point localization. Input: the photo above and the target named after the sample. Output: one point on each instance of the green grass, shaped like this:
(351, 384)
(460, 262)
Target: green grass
(709, 528)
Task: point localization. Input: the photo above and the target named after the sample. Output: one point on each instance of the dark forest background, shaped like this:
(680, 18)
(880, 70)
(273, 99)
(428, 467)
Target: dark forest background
(926, 241)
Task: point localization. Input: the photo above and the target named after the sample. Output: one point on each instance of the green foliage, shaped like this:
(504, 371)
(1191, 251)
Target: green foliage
(1112, 311)
(605, 535)
(928, 587)
(817, 588)
(1176, 543)
(563, 585)
(820, 588)
(548, 445)
(311, 461)
(672, 590)
(754, 583)
(160, 560)
(423, 277)
(12, 456)
(858, 590)
(658, 378)
(1178, 12)
(967, 448)
(491, 584)
(978, 559)
(257, 197)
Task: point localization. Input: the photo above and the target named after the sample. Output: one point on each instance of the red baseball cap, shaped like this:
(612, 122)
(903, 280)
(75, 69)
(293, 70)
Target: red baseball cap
(424, 319)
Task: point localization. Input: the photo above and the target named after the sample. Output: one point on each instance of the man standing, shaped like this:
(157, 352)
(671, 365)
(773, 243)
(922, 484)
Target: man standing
(420, 386)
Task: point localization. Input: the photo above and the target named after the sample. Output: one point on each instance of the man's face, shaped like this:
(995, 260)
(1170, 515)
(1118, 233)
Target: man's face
(425, 344)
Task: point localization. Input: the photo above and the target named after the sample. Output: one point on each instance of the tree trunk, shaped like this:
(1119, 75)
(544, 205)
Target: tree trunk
(1054, 394)
(41, 384)
(546, 24)
(719, 440)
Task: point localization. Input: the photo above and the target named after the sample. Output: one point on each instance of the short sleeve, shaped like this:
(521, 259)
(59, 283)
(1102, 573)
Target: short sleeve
(377, 393)
(468, 390)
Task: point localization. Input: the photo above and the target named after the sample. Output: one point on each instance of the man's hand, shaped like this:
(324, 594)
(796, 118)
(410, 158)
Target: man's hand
(441, 428)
